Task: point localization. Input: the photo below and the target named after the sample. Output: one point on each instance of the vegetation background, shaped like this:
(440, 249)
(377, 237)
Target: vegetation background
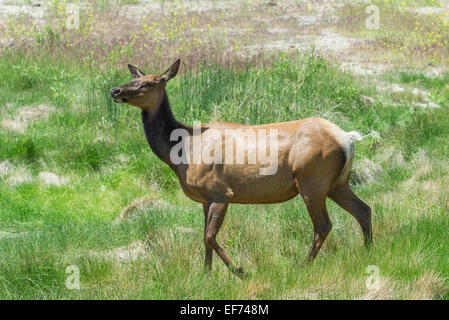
(80, 187)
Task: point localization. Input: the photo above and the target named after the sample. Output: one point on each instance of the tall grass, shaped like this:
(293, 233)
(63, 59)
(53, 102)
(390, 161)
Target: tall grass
(87, 136)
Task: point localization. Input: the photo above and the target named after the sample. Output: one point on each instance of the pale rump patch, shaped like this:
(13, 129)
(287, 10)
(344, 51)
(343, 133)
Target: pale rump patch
(346, 141)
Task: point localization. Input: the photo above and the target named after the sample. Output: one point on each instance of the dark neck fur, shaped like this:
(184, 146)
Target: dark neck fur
(158, 127)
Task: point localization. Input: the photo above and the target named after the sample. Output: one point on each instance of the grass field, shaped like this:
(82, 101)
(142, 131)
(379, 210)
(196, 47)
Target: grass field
(71, 160)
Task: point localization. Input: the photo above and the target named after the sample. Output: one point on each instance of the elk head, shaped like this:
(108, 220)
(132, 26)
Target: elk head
(145, 91)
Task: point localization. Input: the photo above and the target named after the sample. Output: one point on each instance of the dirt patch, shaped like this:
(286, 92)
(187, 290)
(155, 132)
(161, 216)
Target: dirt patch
(383, 290)
(421, 158)
(434, 72)
(122, 158)
(327, 43)
(102, 139)
(333, 42)
(50, 178)
(11, 234)
(394, 87)
(302, 20)
(427, 104)
(199, 6)
(6, 168)
(125, 254)
(37, 11)
(185, 230)
(15, 176)
(26, 116)
(277, 31)
(429, 10)
(420, 94)
(363, 69)
(19, 178)
(35, 113)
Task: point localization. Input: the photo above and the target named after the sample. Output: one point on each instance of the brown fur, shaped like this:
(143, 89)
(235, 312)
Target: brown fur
(314, 160)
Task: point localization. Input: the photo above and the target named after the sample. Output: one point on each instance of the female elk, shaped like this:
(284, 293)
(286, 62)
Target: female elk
(313, 158)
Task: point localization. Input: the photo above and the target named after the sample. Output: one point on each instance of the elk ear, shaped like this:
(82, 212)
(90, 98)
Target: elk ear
(135, 72)
(172, 71)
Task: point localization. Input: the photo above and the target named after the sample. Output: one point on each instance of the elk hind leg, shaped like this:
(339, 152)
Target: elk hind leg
(346, 199)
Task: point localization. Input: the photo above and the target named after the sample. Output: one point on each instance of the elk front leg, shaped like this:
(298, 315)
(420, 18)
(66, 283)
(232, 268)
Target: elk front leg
(208, 255)
(216, 214)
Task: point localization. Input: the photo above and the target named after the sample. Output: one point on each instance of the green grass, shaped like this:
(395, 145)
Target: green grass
(86, 137)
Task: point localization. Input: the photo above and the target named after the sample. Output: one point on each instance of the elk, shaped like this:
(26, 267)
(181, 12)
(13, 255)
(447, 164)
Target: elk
(314, 159)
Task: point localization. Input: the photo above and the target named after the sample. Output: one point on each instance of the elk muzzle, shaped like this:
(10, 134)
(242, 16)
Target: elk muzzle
(115, 92)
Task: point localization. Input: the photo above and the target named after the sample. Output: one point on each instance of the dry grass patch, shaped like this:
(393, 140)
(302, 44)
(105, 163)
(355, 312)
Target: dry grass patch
(140, 205)
(50, 178)
(27, 116)
(385, 289)
(428, 286)
(126, 254)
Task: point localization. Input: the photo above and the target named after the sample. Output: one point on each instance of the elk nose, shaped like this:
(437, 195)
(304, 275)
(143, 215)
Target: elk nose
(115, 92)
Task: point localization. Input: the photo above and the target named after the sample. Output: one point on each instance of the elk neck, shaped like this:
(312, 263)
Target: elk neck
(158, 126)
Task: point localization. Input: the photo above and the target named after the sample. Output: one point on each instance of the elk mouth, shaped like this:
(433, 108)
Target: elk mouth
(115, 94)
(119, 100)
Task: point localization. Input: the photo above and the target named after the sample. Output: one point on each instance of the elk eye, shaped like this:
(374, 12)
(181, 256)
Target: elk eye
(147, 85)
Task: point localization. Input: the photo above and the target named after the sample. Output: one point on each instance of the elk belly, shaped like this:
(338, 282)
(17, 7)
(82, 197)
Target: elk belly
(250, 187)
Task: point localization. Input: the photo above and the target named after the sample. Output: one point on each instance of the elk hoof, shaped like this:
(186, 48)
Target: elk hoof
(239, 272)
(207, 269)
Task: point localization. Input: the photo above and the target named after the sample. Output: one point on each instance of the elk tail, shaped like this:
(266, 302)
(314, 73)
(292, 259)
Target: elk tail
(354, 135)
(348, 146)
